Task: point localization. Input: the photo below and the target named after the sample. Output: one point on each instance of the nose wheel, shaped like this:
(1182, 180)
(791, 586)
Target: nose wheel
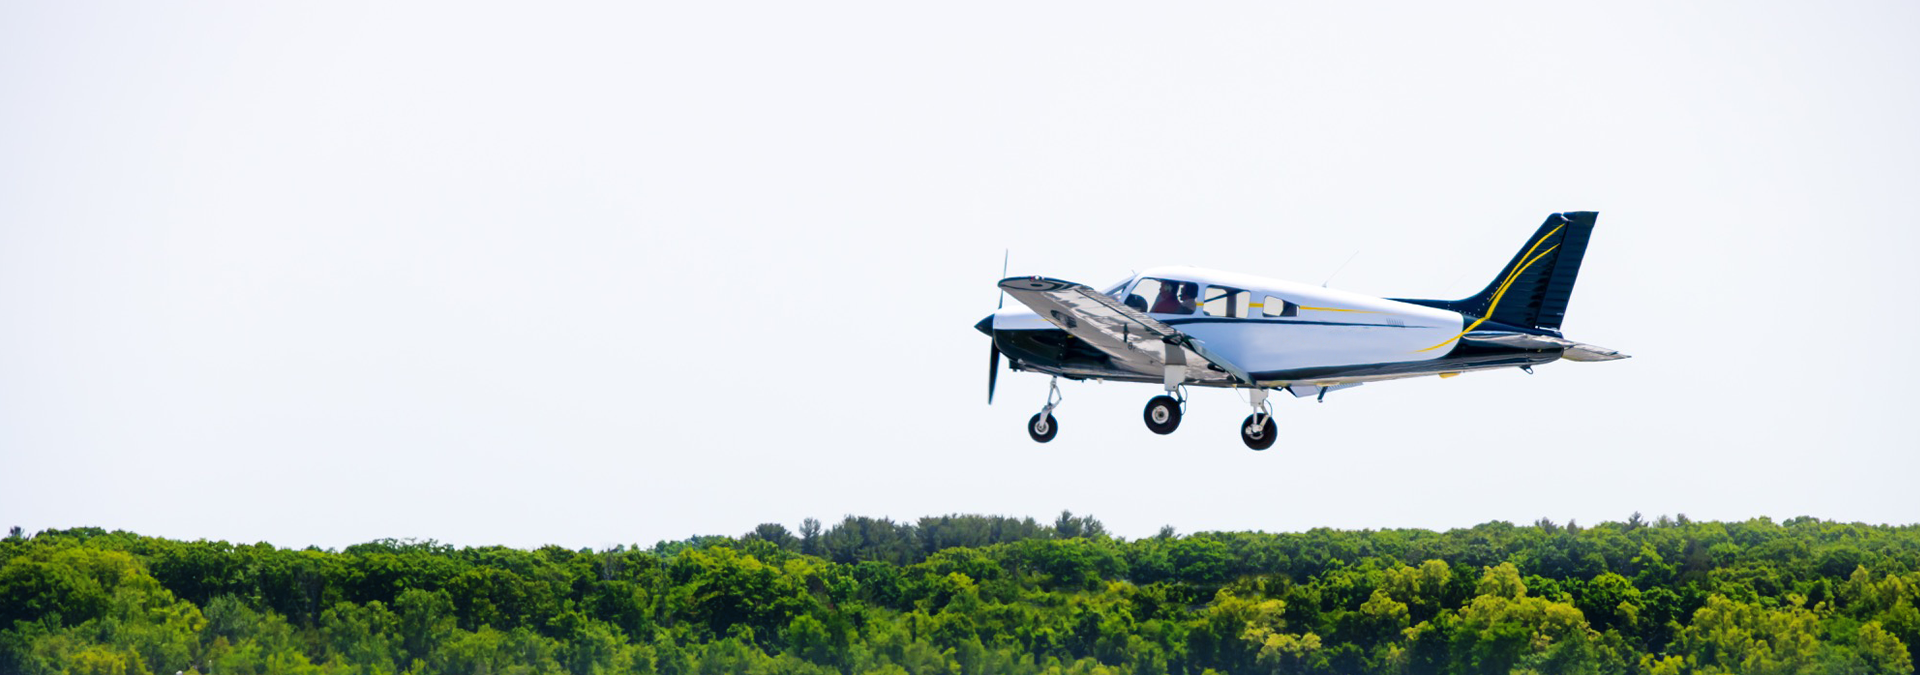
(1163, 413)
(1042, 427)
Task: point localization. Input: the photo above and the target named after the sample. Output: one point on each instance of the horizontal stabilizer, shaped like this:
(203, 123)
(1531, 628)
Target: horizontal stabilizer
(1586, 352)
(1570, 350)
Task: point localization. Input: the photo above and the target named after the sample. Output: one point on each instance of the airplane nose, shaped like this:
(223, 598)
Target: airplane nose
(985, 325)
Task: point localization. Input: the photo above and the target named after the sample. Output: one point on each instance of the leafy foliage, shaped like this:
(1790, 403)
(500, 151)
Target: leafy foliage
(977, 594)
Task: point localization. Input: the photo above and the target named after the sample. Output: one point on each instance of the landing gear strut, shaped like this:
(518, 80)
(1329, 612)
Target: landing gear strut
(1163, 412)
(1042, 427)
(1259, 431)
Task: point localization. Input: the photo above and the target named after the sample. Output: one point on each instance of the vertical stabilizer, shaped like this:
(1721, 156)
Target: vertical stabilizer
(1533, 289)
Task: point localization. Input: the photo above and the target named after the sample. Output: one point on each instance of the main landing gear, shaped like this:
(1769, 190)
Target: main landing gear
(1163, 415)
(1258, 431)
(1042, 427)
(1163, 412)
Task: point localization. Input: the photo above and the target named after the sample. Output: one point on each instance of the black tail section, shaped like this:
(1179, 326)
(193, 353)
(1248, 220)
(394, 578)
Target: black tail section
(1532, 291)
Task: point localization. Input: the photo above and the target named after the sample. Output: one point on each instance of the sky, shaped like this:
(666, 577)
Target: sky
(593, 274)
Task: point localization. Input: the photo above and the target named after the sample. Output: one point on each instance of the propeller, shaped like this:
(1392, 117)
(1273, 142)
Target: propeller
(993, 365)
(993, 373)
(1004, 255)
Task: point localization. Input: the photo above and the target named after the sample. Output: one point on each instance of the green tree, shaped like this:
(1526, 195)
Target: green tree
(426, 622)
(362, 638)
(1503, 581)
(1737, 637)
(1882, 651)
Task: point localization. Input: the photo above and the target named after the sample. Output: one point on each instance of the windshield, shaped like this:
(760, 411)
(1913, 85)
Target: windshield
(1164, 296)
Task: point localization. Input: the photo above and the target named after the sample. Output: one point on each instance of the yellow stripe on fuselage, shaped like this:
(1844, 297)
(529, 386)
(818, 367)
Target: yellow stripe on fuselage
(1504, 285)
(1336, 309)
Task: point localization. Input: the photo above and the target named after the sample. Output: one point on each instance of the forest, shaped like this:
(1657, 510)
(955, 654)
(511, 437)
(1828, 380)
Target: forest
(985, 594)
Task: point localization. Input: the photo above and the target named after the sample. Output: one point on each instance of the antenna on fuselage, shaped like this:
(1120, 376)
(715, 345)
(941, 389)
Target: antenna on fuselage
(1336, 271)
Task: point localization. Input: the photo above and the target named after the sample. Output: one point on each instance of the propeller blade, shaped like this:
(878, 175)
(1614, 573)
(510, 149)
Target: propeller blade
(993, 373)
(1004, 257)
(986, 326)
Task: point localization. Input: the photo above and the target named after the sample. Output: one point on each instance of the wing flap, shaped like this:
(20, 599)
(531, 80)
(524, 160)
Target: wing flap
(1301, 390)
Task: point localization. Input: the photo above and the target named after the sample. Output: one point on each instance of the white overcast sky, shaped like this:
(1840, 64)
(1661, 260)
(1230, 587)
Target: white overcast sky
(589, 274)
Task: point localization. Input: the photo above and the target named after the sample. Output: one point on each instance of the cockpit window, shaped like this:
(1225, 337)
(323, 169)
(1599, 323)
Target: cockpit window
(1227, 302)
(1118, 288)
(1277, 307)
(1164, 296)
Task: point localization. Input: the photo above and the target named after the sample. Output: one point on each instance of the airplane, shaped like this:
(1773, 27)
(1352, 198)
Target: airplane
(1187, 326)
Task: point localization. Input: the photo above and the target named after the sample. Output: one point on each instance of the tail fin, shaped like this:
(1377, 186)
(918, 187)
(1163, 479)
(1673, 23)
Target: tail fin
(1532, 291)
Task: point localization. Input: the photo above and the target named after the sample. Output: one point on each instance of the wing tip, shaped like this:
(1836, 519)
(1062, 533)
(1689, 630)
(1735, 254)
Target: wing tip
(1035, 284)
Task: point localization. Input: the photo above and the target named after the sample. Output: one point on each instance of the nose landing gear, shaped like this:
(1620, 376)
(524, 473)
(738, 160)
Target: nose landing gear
(1042, 427)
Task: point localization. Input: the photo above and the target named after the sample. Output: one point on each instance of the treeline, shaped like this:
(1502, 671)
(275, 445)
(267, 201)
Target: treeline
(981, 594)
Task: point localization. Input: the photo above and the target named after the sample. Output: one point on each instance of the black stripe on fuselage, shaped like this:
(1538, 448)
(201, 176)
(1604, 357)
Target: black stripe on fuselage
(1054, 349)
(1470, 358)
(1224, 319)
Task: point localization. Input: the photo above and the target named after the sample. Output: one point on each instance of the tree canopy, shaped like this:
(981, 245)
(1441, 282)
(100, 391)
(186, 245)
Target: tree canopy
(985, 594)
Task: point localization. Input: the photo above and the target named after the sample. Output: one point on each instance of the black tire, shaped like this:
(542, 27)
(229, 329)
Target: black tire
(1259, 438)
(1162, 415)
(1042, 430)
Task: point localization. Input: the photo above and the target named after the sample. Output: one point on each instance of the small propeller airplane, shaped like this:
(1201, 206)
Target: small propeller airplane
(1181, 326)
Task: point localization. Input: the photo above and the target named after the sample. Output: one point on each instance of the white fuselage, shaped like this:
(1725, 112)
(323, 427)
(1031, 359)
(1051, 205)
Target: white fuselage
(1271, 325)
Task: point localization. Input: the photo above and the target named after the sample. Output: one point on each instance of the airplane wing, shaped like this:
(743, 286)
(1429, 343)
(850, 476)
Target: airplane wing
(1572, 351)
(1134, 340)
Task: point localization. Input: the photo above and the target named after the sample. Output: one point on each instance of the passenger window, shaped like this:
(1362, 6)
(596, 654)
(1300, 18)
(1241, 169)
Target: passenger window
(1164, 296)
(1276, 307)
(1227, 302)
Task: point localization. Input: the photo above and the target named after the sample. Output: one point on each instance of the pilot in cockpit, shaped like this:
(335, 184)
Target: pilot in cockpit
(1176, 297)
